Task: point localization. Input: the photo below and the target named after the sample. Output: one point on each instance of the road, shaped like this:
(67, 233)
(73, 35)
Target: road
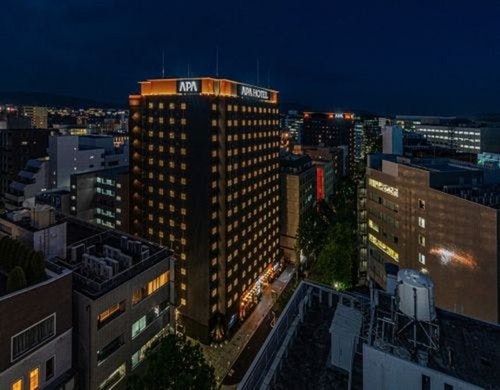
(223, 356)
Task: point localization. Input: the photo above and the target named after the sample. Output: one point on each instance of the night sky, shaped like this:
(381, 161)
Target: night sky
(421, 57)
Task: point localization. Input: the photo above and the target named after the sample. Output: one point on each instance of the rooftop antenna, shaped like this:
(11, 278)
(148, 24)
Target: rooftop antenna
(258, 75)
(163, 64)
(217, 61)
(189, 71)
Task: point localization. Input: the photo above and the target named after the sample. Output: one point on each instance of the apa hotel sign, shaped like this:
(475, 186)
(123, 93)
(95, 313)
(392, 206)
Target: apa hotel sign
(252, 92)
(188, 86)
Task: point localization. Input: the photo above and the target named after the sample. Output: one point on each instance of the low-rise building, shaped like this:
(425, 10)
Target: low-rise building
(102, 197)
(36, 333)
(123, 301)
(375, 340)
(32, 180)
(439, 216)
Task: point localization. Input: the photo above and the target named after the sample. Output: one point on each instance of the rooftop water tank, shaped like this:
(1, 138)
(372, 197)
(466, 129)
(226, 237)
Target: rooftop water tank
(416, 295)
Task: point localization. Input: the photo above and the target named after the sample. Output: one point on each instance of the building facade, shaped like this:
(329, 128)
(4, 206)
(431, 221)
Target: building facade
(36, 335)
(124, 295)
(469, 139)
(38, 116)
(101, 197)
(298, 197)
(71, 154)
(332, 130)
(441, 217)
(205, 180)
(17, 146)
(33, 179)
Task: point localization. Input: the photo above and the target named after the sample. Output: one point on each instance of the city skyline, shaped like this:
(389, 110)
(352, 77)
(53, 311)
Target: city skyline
(325, 56)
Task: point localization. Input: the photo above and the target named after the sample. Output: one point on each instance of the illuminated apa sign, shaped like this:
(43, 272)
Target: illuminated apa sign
(188, 86)
(251, 92)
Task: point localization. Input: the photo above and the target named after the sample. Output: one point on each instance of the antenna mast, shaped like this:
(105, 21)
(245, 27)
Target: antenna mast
(163, 64)
(216, 61)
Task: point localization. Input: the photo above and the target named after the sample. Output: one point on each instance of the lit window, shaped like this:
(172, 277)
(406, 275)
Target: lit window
(421, 222)
(421, 204)
(183, 302)
(34, 379)
(17, 385)
(421, 258)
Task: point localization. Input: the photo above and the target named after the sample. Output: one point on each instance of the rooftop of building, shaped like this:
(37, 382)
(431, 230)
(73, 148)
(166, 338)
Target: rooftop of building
(296, 353)
(476, 184)
(203, 86)
(102, 259)
(31, 219)
(294, 163)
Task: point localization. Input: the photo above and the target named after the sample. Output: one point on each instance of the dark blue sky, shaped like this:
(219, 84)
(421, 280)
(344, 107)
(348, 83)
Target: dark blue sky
(396, 56)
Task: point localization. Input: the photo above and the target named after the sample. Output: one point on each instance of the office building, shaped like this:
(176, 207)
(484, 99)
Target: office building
(17, 146)
(463, 138)
(37, 333)
(38, 116)
(102, 197)
(292, 122)
(79, 154)
(298, 197)
(123, 294)
(205, 181)
(439, 216)
(392, 140)
(367, 137)
(332, 130)
(326, 339)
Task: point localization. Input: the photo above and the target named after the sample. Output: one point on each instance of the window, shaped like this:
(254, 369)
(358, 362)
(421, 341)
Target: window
(35, 379)
(110, 313)
(17, 385)
(139, 356)
(421, 204)
(150, 288)
(426, 382)
(33, 336)
(138, 326)
(107, 350)
(115, 377)
(421, 240)
(421, 258)
(421, 222)
(49, 368)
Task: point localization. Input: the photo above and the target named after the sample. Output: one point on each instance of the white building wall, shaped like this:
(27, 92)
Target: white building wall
(384, 371)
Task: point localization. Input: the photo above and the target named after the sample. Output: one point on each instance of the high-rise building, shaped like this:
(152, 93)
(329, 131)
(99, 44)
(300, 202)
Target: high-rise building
(38, 116)
(205, 181)
(330, 129)
(439, 216)
(298, 197)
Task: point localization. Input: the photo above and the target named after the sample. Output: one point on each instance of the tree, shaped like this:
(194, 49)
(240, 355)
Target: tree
(174, 364)
(334, 264)
(313, 229)
(16, 280)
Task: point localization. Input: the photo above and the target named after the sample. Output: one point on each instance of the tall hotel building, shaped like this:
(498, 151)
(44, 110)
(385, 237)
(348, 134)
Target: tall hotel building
(205, 182)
